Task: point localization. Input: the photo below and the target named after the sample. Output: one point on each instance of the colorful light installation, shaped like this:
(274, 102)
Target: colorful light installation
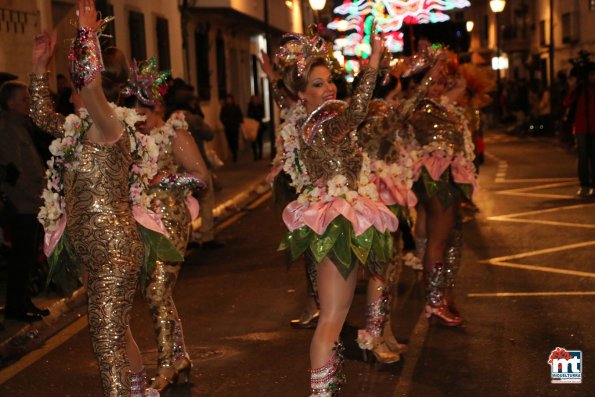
(353, 20)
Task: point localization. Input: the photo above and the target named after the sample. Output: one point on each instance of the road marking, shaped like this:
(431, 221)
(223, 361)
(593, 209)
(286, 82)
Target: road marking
(544, 269)
(523, 192)
(415, 347)
(511, 217)
(520, 294)
(51, 344)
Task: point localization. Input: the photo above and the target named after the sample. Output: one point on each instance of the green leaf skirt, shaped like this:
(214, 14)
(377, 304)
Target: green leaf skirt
(372, 248)
(447, 190)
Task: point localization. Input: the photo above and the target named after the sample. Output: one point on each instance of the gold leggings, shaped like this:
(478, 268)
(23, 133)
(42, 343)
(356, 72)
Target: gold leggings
(164, 314)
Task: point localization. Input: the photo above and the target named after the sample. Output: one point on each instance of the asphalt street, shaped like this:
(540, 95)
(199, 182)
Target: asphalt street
(527, 286)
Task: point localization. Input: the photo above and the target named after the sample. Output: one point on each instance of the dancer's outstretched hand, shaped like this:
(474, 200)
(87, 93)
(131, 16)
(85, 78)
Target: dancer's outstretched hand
(267, 66)
(43, 50)
(87, 14)
(377, 44)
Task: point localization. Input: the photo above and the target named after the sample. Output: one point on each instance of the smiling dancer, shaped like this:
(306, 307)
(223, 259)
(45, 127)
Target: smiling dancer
(337, 215)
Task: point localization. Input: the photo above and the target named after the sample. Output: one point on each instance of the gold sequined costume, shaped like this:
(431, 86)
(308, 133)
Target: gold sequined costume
(329, 151)
(103, 235)
(171, 206)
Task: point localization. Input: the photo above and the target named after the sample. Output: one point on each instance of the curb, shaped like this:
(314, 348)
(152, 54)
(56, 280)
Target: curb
(67, 310)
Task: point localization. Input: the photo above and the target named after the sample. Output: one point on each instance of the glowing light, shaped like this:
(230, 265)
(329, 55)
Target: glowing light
(469, 25)
(500, 63)
(353, 21)
(289, 3)
(497, 5)
(317, 5)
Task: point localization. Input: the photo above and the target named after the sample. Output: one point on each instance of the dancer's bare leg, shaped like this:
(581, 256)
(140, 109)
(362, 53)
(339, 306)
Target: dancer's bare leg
(335, 295)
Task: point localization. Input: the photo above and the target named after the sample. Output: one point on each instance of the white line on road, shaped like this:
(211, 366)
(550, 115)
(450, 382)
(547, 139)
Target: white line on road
(50, 345)
(513, 294)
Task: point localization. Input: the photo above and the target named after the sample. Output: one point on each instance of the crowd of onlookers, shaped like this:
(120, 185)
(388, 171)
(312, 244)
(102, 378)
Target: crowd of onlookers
(23, 155)
(566, 109)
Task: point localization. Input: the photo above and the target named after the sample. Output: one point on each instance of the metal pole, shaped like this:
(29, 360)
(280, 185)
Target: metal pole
(271, 101)
(552, 47)
(184, 22)
(498, 79)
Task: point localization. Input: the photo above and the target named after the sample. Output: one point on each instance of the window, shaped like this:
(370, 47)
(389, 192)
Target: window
(163, 56)
(570, 33)
(542, 41)
(203, 75)
(138, 45)
(221, 67)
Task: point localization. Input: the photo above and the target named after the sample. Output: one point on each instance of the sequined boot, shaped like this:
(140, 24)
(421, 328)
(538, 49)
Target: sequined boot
(371, 338)
(328, 380)
(182, 363)
(138, 385)
(452, 256)
(436, 308)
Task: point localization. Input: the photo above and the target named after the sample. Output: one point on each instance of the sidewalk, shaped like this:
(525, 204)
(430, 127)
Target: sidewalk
(241, 184)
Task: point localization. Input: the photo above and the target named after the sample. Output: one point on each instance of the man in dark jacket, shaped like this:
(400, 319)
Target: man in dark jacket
(25, 232)
(231, 116)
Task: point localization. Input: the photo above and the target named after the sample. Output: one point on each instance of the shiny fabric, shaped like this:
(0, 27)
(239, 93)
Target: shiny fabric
(452, 255)
(434, 124)
(171, 206)
(104, 237)
(329, 150)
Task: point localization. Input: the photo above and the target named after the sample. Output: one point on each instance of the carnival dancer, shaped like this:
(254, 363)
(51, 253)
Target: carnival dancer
(379, 140)
(445, 173)
(89, 196)
(337, 215)
(181, 170)
(478, 83)
(284, 193)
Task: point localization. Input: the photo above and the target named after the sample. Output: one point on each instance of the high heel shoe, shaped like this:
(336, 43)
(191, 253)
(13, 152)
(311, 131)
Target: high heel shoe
(306, 320)
(394, 345)
(183, 368)
(377, 346)
(443, 316)
(138, 385)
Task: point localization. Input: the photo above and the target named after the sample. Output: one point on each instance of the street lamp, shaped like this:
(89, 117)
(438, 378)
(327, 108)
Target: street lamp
(469, 26)
(497, 7)
(317, 6)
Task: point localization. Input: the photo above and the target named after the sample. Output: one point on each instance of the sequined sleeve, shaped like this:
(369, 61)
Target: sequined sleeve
(280, 94)
(338, 127)
(42, 107)
(405, 108)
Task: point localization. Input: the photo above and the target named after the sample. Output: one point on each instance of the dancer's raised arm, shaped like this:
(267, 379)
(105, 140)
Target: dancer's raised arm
(42, 108)
(86, 67)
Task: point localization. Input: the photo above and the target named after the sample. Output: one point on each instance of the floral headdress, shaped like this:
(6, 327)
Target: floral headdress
(298, 49)
(147, 82)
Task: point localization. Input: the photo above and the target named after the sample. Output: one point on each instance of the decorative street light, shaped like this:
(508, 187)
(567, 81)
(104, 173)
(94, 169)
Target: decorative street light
(317, 6)
(497, 7)
(469, 25)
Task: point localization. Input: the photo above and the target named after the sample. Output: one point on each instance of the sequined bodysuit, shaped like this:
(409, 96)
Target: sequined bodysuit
(328, 149)
(433, 124)
(104, 237)
(171, 206)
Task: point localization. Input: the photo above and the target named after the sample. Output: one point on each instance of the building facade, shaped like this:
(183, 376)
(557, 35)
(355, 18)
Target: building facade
(212, 44)
(524, 34)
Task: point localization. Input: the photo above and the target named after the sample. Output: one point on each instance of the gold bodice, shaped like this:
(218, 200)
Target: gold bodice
(328, 143)
(433, 123)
